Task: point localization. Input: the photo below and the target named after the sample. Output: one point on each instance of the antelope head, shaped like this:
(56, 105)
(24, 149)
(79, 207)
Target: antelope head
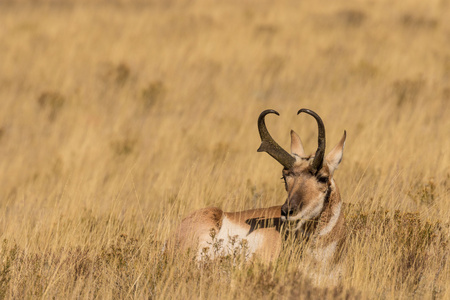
(308, 178)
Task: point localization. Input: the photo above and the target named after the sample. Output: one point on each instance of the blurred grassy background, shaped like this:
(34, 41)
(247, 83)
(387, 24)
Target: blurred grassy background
(119, 118)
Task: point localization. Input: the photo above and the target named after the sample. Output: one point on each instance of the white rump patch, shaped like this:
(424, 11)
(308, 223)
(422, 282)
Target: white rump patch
(232, 238)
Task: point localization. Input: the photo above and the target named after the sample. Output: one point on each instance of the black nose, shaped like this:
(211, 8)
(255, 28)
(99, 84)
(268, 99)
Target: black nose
(285, 211)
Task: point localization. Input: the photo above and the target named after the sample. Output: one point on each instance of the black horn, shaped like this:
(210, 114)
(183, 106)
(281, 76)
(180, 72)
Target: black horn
(320, 153)
(269, 145)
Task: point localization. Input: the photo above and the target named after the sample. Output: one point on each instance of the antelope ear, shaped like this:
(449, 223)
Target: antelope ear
(334, 158)
(296, 145)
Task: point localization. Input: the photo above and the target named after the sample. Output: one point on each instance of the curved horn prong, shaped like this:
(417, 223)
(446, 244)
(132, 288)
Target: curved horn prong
(320, 153)
(269, 145)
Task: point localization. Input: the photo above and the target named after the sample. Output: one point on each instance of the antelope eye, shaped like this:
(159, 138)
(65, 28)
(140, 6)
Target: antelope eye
(323, 179)
(285, 182)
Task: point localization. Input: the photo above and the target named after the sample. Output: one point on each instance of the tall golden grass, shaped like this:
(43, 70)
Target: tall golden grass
(118, 118)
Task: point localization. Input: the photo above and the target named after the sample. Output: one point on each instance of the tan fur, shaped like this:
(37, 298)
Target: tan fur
(195, 227)
(194, 231)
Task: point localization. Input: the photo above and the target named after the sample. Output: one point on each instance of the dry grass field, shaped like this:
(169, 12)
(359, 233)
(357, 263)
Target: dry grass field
(118, 118)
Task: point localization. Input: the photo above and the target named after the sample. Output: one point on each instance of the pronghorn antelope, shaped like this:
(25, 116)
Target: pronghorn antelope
(312, 208)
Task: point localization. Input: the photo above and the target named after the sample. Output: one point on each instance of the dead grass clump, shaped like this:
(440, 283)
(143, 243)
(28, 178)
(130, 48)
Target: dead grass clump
(266, 30)
(122, 253)
(51, 103)
(153, 94)
(418, 22)
(417, 247)
(424, 193)
(407, 91)
(365, 70)
(124, 146)
(9, 255)
(117, 74)
(24, 275)
(352, 17)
